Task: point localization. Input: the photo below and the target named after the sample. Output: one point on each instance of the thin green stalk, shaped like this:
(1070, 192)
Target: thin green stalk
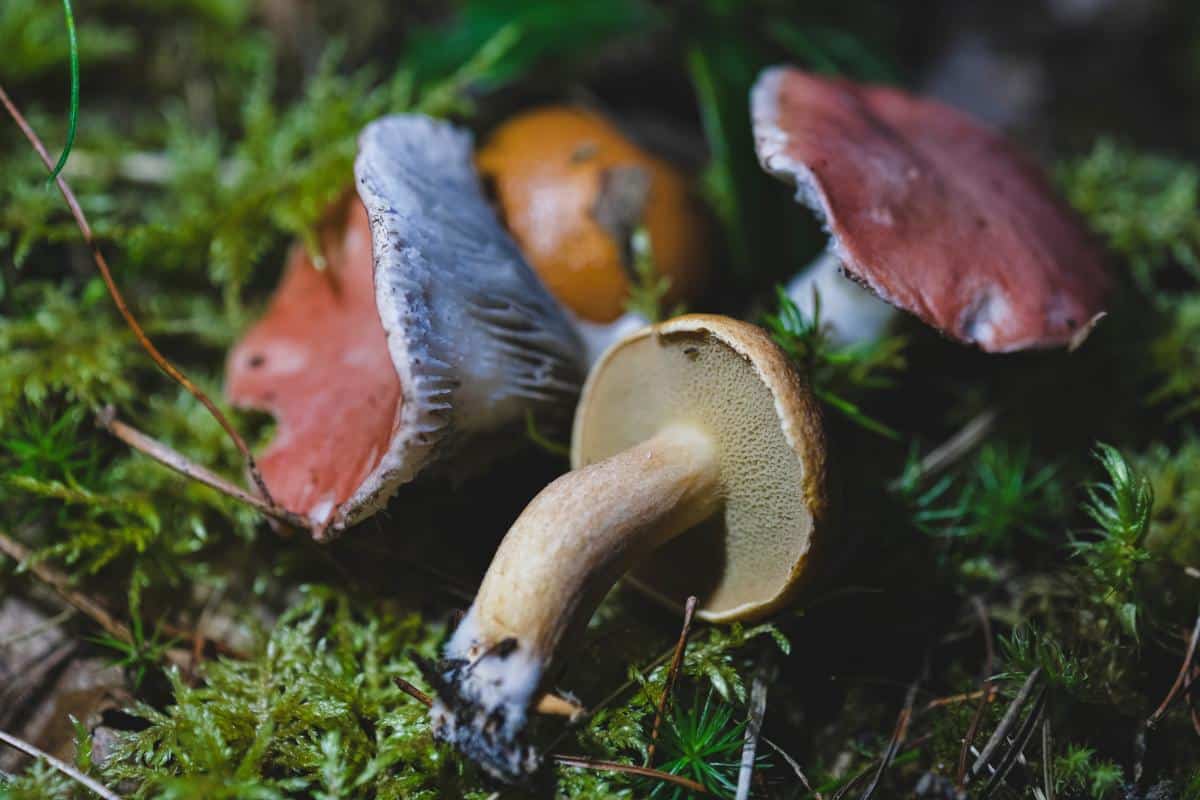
(73, 118)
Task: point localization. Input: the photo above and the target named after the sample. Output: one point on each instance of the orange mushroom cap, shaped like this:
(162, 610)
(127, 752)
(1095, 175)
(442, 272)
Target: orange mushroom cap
(571, 189)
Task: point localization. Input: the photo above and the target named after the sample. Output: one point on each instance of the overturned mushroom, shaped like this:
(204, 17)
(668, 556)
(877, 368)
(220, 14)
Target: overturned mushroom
(426, 330)
(573, 190)
(696, 430)
(930, 211)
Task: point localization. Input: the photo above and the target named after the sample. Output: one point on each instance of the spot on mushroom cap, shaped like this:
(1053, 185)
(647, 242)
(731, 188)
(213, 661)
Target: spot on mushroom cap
(572, 188)
(729, 379)
(934, 212)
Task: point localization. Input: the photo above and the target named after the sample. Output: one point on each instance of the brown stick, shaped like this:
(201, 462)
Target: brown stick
(413, 692)
(582, 762)
(176, 461)
(66, 769)
(689, 611)
(848, 785)
(795, 765)
(1184, 671)
(987, 696)
(958, 445)
(106, 274)
(969, 739)
(61, 584)
(1006, 723)
(899, 733)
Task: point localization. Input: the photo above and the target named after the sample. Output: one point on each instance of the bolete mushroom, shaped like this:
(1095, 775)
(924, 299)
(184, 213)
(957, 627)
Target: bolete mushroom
(573, 190)
(697, 430)
(930, 211)
(425, 331)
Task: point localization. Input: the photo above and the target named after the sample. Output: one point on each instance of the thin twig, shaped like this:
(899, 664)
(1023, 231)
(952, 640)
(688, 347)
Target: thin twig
(174, 460)
(865, 771)
(1191, 700)
(899, 733)
(957, 446)
(1006, 722)
(1017, 748)
(985, 625)
(1047, 758)
(987, 696)
(118, 299)
(1184, 671)
(66, 769)
(585, 762)
(413, 692)
(61, 584)
(689, 611)
(758, 709)
(791, 762)
(581, 762)
(611, 697)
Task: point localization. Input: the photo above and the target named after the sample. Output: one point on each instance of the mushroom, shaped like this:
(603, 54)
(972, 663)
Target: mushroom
(425, 331)
(696, 430)
(573, 191)
(929, 210)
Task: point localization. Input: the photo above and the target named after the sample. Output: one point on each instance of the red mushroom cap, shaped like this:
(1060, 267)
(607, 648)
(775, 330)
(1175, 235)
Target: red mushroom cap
(318, 361)
(932, 211)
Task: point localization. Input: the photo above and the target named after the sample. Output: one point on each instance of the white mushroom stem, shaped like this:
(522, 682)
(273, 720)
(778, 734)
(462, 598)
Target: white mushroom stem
(559, 559)
(852, 314)
(599, 336)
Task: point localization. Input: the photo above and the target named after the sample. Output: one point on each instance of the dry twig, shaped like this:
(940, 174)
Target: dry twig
(689, 611)
(758, 709)
(106, 274)
(791, 762)
(66, 769)
(899, 733)
(1184, 671)
(176, 461)
(969, 739)
(61, 584)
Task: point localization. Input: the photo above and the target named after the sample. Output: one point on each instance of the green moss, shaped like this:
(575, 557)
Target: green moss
(1144, 205)
(314, 709)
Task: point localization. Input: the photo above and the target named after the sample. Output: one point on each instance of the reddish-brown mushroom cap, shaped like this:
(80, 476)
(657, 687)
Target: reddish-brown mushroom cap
(318, 362)
(931, 210)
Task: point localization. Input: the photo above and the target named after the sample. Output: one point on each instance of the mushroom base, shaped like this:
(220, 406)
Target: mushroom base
(483, 700)
(559, 559)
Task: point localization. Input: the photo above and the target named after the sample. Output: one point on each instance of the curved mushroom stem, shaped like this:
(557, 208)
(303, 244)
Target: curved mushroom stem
(559, 559)
(853, 314)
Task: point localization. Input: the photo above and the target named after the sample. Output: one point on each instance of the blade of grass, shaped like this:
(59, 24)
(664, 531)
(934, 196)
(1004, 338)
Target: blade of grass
(102, 265)
(73, 116)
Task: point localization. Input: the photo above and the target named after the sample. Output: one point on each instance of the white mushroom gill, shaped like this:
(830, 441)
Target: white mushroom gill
(476, 339)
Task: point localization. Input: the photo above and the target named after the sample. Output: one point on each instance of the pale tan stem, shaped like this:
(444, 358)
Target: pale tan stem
(584, 530)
